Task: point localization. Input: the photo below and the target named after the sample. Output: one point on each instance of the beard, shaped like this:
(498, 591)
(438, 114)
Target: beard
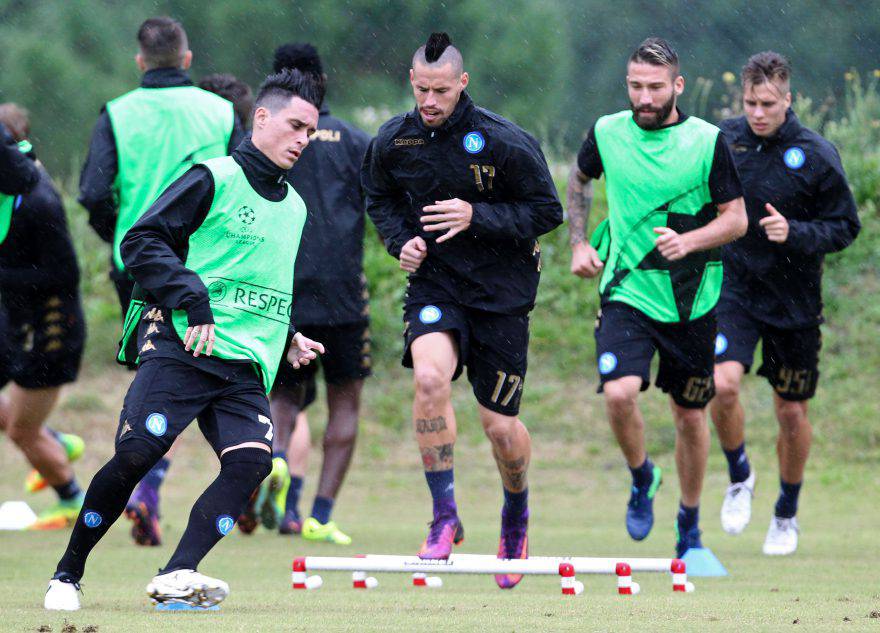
(655, 121)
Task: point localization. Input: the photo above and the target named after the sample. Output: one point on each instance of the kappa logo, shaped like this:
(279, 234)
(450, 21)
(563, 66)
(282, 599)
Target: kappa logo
(474, 142)
(155, 315)
(794, 157)
(408, 142)
(153, 329)
(720, 344)
(225, 523)
(92, 519)
(157, 424)
(148, 347)
(126, 428)
(430, 314)
(607, 363)
(246, 215)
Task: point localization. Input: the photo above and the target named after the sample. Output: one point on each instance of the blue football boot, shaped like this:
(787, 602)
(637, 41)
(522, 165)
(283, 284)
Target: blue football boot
(640, 509)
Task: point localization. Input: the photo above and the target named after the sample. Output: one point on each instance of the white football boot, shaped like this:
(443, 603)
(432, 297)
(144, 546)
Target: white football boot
(187, 586)
(62, 596)
(782, 537)
(736, 511)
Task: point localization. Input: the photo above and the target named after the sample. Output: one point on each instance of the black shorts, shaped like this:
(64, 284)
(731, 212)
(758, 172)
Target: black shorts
(41, 343)
(346, 357)
(167, 394)
(790, 357)
(626, 341)
(494, 347)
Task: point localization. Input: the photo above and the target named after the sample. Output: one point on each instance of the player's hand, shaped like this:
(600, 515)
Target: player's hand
(303, 350)
(585, 261)
(454, 215)
(673, 246)
(775, 225)
(198, 336)
(413, 254)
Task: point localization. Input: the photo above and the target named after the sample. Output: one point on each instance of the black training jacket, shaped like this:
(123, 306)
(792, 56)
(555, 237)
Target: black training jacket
(329, 288)
(155, 248)
(800, 174)
(484, 159)
(37, 258)
(18, 173)
(96, 192)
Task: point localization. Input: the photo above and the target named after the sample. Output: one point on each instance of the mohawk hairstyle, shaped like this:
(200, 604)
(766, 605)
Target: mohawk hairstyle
(657, 52)
(439, 50)
(766, 67)
(278, 89)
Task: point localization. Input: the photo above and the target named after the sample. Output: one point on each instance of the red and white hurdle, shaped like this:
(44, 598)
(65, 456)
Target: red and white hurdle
(423, 570)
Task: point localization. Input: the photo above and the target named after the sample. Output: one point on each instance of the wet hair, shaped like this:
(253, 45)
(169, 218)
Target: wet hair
(232, 89)
(438, 50)
(657, 52)
(303, 57)
(16, 119)
(278, 89)
(766, 67)
(163, 42)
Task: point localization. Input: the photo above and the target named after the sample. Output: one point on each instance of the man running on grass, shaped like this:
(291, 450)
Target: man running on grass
(673, 199)
(214, 256)
(142, 141)
(461, 195)
(800, 208)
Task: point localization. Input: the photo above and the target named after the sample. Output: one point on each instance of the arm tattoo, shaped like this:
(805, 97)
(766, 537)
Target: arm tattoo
(437, 458)
(430, 425)
(579, 199)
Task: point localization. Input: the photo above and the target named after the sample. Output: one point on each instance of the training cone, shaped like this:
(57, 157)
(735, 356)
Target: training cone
(701, 562)
(16, 515)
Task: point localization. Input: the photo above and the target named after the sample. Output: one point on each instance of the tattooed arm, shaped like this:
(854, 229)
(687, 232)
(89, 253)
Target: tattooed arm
(585, 261)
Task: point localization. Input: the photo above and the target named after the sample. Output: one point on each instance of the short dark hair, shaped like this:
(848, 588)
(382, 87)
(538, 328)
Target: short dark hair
(280, 88)
(163, 42)
(303, 57)
(232, 89)
(439, 50)
(16, 119)
(657, 52)
(764, 67)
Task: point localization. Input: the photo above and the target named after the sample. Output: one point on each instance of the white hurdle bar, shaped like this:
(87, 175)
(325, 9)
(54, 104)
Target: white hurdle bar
(565, 567)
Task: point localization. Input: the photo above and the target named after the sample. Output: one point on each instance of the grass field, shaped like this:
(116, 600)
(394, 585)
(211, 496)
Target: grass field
(578, 497)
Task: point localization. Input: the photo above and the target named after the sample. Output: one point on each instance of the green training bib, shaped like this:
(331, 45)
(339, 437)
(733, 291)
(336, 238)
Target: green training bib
(160, 133)
(7, 202)
(657, 178)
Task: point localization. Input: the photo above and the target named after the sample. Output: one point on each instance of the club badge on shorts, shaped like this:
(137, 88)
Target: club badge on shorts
(720, 344)
(157, 424)
(430, 314)
(474, 142)
(794, 157)
(607, 363)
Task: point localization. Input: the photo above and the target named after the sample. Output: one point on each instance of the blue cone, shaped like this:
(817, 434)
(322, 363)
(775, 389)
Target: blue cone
(701, 562)
(182, 606)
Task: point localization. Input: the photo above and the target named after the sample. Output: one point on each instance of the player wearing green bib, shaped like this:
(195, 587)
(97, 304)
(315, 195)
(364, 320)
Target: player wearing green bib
(673, 199)
(214, 256)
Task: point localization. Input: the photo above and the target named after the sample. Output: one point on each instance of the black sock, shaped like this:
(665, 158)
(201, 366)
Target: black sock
(738, 464)
(786, 505)
(68, 491)
(321, 509)
(215, 512)
(688, 518)
(644, 474)
(516, 503)
(104, 502)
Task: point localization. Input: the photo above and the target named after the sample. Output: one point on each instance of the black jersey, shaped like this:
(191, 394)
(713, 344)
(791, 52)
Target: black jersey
(37, 258)
(800, 174)
(486, 160)
(329, 288)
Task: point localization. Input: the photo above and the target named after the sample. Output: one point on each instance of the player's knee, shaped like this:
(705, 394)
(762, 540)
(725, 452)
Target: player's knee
(501, 431)
(726, 390)
(689, 420)
(22, 433)
(432, 387)
(619, 398)
(340, 435)
(248, 464)
(792, 415)
(134, 459)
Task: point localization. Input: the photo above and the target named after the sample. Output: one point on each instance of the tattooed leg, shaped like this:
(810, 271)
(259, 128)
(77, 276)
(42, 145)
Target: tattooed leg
(511, 447)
